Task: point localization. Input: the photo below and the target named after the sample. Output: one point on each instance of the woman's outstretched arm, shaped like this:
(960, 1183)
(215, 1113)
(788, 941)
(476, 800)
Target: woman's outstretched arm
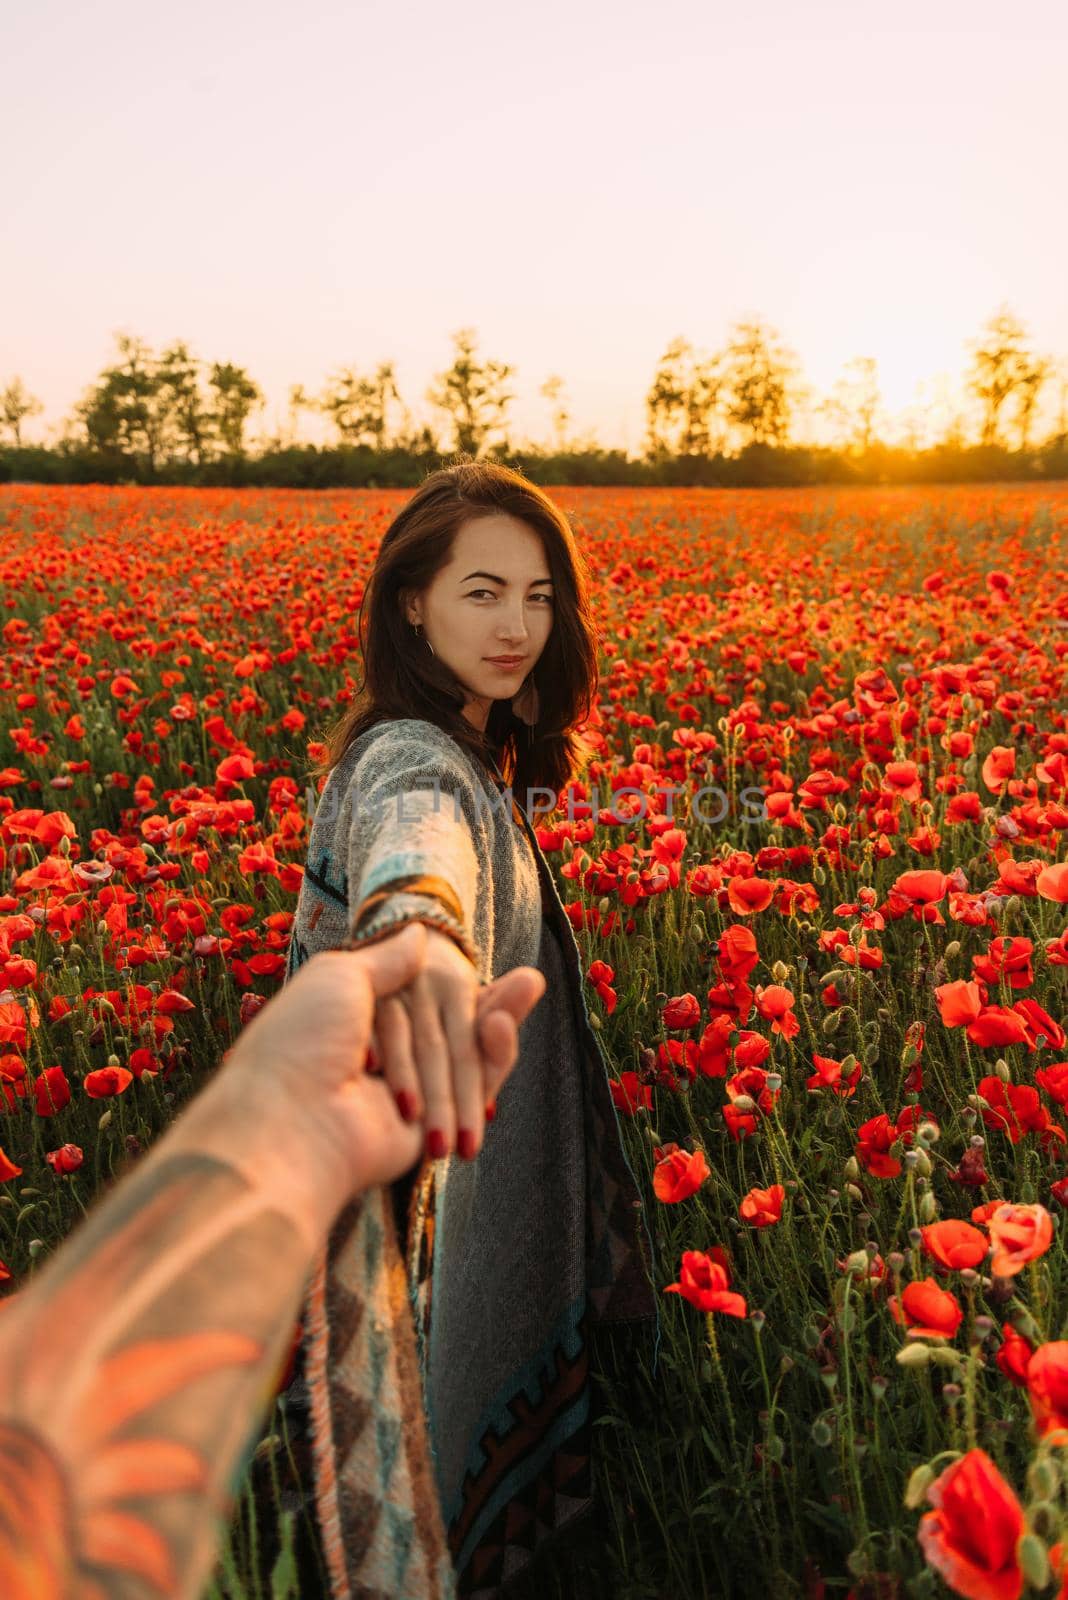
(134, 1369)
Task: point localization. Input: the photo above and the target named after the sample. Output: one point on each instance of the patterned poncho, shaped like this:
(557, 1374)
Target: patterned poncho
(449, 1319)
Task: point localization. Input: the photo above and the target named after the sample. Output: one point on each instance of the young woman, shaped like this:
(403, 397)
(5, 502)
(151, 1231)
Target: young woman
(522, 1232)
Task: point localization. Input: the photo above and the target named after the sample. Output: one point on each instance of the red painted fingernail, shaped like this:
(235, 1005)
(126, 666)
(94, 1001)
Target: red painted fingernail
(491, 1111)
(436, 1145)
(465, 1144)
(406, 1105)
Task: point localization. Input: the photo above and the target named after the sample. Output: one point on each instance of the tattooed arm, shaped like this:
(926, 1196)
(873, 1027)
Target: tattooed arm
(135, 1367)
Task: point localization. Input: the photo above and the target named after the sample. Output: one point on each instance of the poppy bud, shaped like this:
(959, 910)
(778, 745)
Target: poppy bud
(928, 1206)
(913, 1355)
(1033, 1558)
(952, 949)
(1043, 1478)
(1001, 1067)
(945, 1358)
(916, 1487)
(851, 1168)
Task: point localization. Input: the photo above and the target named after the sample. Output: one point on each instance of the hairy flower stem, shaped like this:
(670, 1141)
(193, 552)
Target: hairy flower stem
(718, 1365)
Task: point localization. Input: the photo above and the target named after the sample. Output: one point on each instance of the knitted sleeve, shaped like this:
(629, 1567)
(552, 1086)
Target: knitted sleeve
(410, 848)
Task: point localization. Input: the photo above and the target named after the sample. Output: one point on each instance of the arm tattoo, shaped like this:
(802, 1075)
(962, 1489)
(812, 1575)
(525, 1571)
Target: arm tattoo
(133, 1372)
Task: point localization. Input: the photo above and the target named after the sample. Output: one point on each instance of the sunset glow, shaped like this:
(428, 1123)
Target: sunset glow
(296, 190)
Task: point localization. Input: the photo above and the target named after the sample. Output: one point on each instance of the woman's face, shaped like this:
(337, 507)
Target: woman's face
(493, 598)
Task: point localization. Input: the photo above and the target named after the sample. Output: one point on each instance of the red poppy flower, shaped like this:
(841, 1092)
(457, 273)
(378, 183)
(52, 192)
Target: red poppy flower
(926, 1311)
(874, 1140)
(629, 1093)
(762, 1207)
(736, 951)
(997, 1025)
(746, 896)
(1014, 1108)
(958, 1002)
(8, 1169)
(704, 1281)
(775, 1004)
(902, 779)
(921, 887)
(1052, 883)
(1008, 957)
(100, 1085)
(1019, 1234)
(51, 1091)
(1054, 1080)
(679, 1175)
(828, 1075)
(971, 1538)
(1037, 1021)
(684, 1011)
(1013, 1355)
(1047, 1388)
(68, 1158)
(955, 1244)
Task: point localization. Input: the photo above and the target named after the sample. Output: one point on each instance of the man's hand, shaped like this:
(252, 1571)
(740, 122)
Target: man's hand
(308, 1047)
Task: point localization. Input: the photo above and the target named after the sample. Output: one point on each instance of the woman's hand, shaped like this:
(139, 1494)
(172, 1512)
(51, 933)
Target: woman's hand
(445, 1043)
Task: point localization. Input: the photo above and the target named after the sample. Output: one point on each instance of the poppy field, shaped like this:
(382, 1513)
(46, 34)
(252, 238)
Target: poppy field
(837, 1017)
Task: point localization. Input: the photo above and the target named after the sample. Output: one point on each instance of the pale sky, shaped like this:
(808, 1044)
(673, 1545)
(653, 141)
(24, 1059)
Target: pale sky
(296, 187)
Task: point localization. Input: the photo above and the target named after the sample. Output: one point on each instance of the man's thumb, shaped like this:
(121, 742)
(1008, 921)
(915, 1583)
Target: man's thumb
(392, 963)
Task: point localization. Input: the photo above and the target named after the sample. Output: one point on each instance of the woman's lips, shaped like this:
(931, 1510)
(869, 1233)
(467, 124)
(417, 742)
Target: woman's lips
(509, 663)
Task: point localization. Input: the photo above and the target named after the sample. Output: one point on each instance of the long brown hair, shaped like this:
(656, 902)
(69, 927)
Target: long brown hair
(403, 679)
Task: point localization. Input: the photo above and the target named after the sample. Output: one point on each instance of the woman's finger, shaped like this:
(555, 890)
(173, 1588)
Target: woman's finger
(398, 1061)
(499, 1038)
(460, 1020)
(430, 1050)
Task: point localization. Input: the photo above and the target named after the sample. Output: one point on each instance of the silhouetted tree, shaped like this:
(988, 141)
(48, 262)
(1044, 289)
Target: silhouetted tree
(1002, 367)
(760, 373)
(121, 411)
(552, 390)
(16, 404)
(358, 407)
(855, 403)
(185, 421)
(472, 394)
(681, 402)
(236, 396)
(1031, 380)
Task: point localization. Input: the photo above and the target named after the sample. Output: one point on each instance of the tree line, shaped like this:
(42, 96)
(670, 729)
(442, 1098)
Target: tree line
(726, 417)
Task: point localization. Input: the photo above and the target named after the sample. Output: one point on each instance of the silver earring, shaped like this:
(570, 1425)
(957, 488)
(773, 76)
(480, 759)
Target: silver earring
(419, 634)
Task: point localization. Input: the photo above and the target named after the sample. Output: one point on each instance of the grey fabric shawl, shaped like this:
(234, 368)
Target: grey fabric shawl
(480, 1384)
